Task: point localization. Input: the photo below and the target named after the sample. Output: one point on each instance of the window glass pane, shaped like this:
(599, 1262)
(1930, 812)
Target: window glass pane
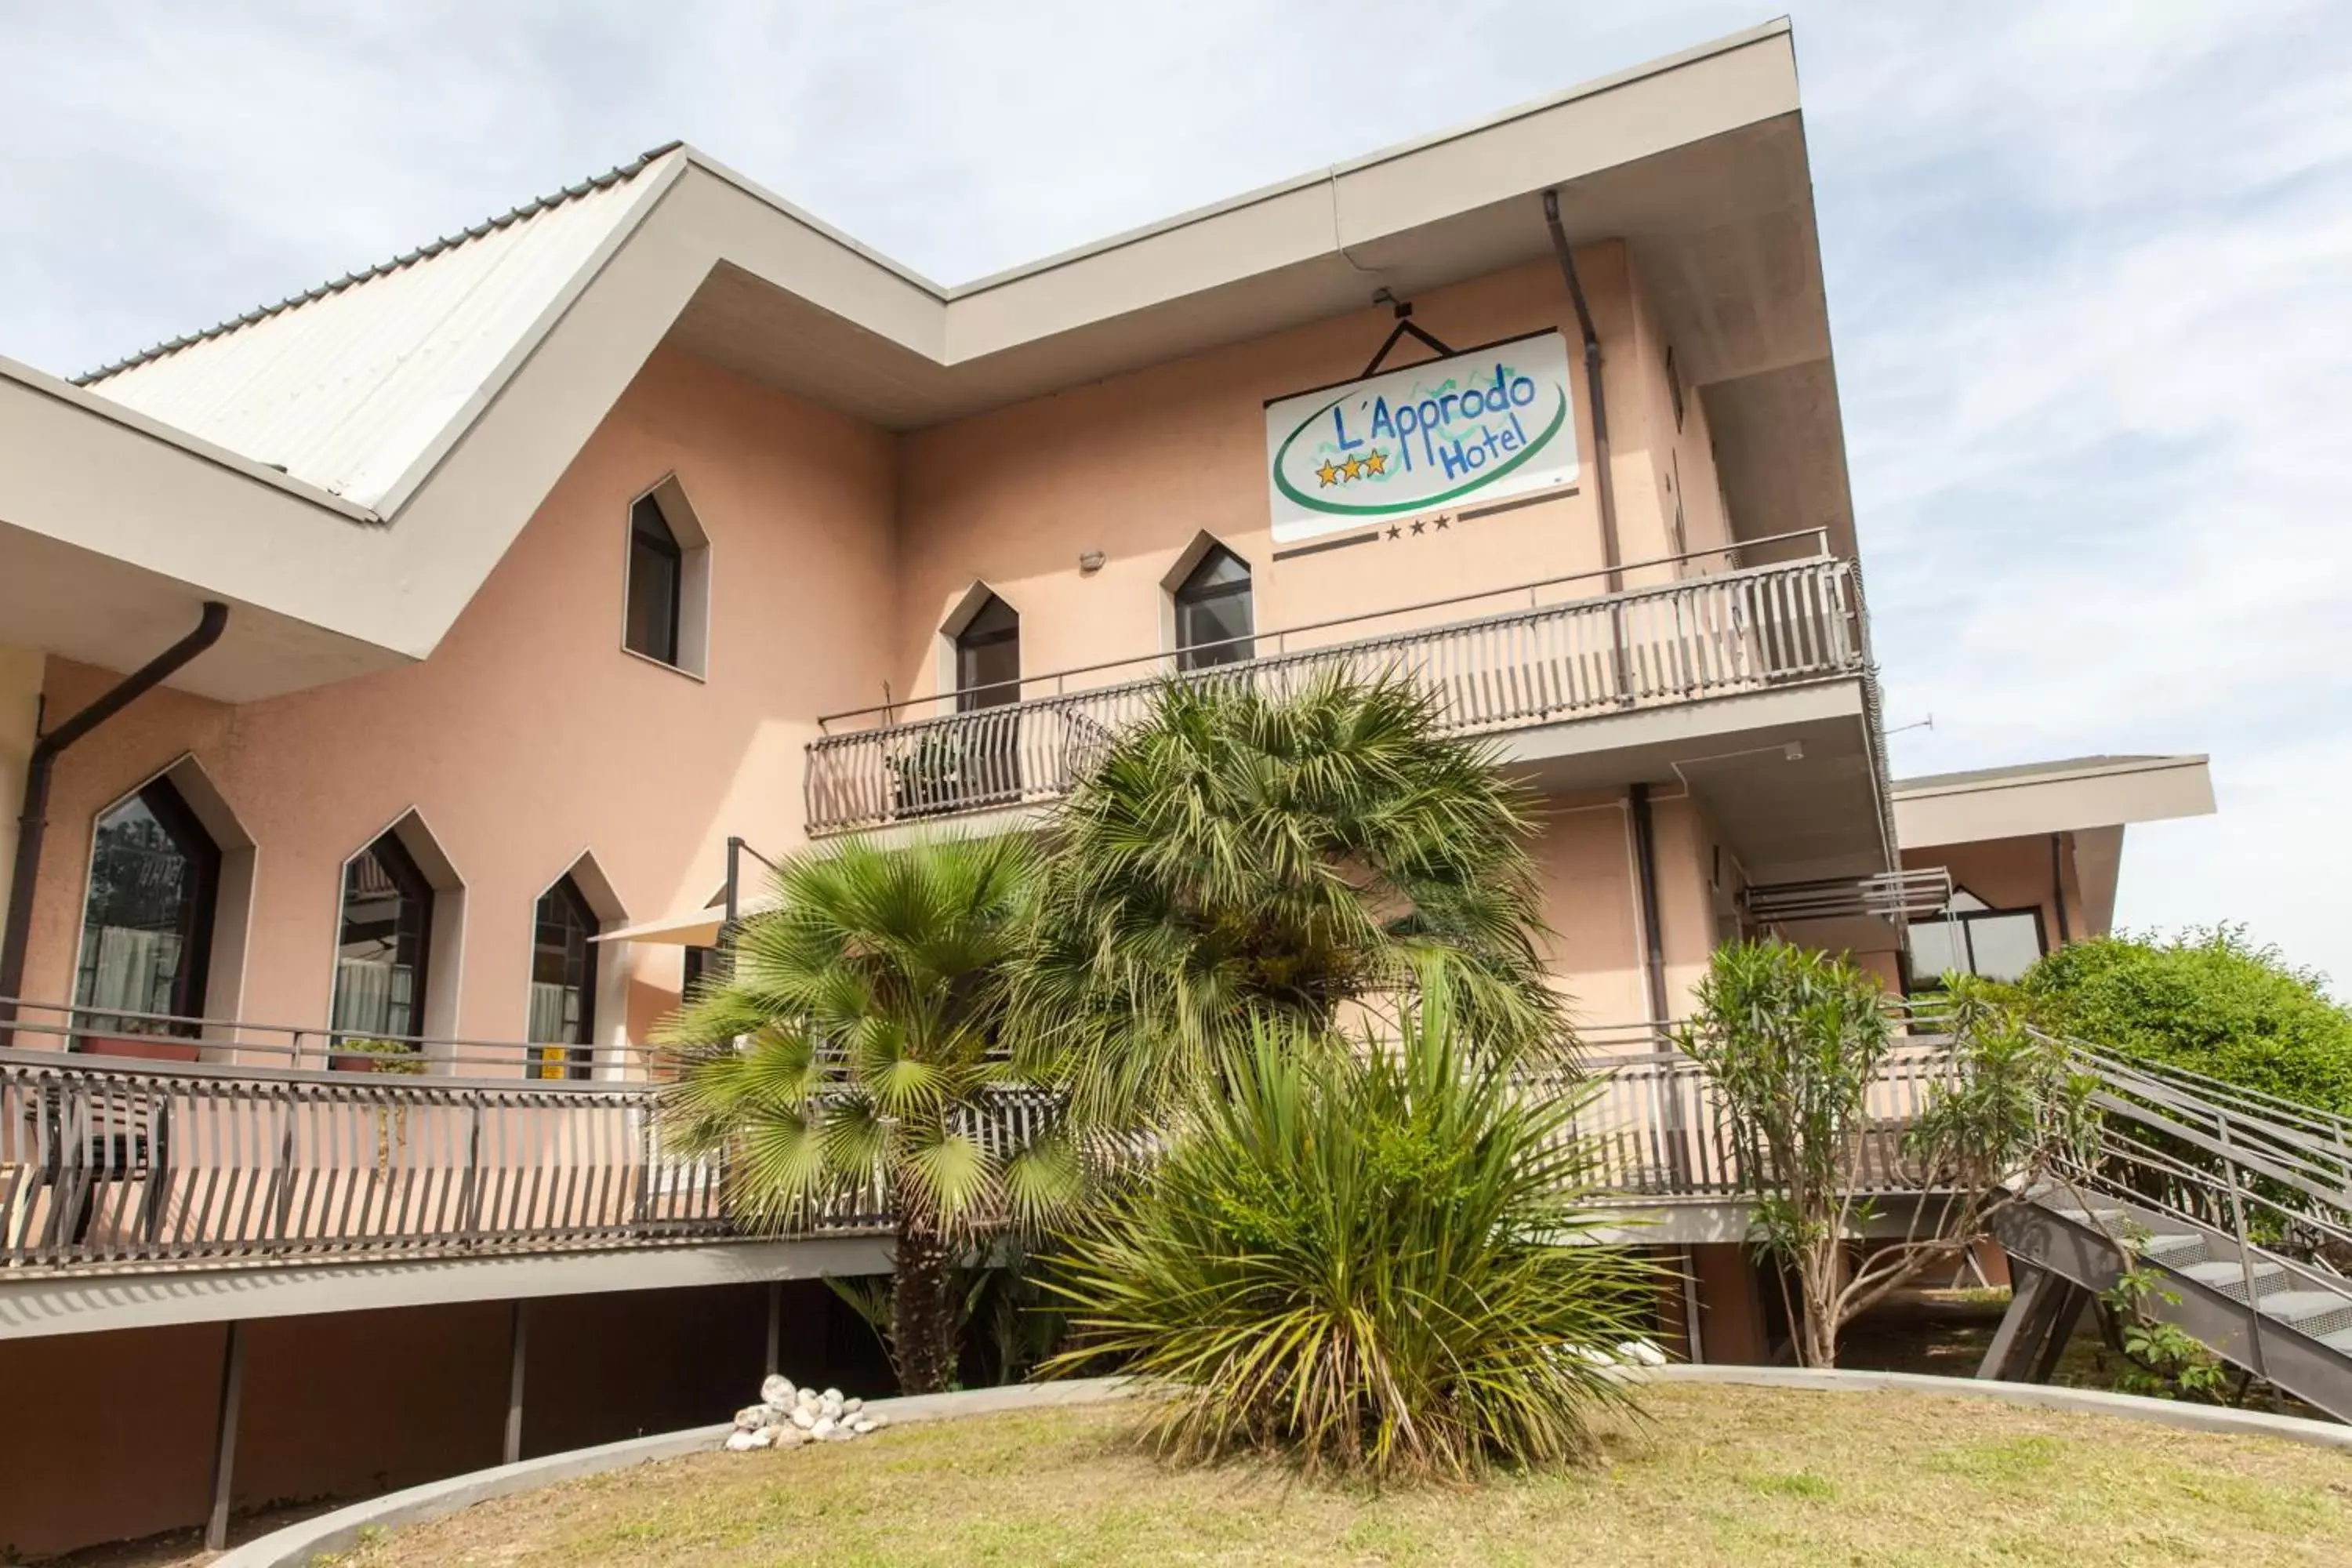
(1934, 951)
(988, 657)
(380, 959)
(655, 578)
(2004, 946)
(563, 981)
(1213, 610)
(147, 913)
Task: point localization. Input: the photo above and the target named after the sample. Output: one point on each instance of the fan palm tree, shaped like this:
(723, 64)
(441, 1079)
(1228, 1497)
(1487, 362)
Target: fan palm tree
(1246, 855)
(852, 1039)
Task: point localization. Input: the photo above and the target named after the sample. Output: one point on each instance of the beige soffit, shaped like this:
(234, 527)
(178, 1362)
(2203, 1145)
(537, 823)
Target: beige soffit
(2070, 796)
(480, 366)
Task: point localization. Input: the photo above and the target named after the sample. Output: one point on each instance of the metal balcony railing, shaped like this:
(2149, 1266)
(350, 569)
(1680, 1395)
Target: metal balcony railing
(1702, 636)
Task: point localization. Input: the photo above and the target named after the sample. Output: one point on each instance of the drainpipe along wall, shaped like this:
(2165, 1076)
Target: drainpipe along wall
(1605, 487)
(33, 825)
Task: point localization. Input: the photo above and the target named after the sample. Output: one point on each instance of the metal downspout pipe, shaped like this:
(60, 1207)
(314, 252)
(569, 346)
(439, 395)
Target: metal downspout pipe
(1605, 487)
(34, 824)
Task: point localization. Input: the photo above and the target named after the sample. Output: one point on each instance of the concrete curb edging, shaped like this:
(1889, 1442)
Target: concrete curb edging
(2080, 1400)
(295, 1546)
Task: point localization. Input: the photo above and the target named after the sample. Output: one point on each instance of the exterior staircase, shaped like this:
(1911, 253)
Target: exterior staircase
(2240, 1202)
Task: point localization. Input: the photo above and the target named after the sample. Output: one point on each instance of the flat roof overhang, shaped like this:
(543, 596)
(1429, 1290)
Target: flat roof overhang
(2074, 796)
(1697, 162)
(1785, 774)
(115, 529)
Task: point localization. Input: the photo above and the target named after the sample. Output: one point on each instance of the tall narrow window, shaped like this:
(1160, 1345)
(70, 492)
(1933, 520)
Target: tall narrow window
(988, 657)
(380, 961)
(147, 918)
(656, 574)
(1212, 613)
(1999, 944)
(563, 983)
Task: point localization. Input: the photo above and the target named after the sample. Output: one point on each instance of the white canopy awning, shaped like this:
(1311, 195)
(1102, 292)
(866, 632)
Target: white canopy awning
(695, 928)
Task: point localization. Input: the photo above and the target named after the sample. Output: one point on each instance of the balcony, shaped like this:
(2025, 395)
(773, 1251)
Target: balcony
(1690, 640)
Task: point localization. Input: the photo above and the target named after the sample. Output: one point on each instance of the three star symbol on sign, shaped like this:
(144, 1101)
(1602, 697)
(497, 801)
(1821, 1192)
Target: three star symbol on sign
(1372, 462)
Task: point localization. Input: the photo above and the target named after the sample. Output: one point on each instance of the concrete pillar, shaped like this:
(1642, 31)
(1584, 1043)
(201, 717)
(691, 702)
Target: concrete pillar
(21, 670)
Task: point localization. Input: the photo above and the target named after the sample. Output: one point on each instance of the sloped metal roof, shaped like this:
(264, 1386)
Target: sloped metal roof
(349, 383)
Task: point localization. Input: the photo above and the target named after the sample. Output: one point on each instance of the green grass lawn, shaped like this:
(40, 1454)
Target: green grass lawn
(1720, 1475)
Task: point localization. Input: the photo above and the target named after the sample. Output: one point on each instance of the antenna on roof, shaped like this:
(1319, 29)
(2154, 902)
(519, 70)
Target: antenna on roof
(1927, 723)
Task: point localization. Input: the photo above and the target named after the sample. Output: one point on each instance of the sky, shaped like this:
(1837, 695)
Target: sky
(2089, 270)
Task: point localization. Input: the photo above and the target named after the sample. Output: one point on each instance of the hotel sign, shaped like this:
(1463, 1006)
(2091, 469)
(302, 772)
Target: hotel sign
(1469, 427)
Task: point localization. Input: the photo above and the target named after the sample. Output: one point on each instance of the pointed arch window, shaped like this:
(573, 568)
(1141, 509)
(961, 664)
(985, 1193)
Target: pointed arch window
(147, 913)
(563, 983)
(1213, 615)
(385, 944)
(988, 657)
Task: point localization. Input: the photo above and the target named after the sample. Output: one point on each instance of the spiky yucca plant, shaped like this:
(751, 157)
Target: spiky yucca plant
(852, 1040)
(1378, 1260)
(1246, 854)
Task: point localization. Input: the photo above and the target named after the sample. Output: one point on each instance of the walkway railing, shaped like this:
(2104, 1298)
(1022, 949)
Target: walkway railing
(171, 1037)
(105, 1162)
(1700, 638)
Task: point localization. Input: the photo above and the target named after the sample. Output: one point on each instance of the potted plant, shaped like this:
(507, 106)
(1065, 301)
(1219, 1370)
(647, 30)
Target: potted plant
(376, 1056)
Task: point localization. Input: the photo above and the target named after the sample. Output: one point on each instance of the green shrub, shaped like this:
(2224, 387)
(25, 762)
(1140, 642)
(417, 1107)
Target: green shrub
(2208, 1000)
(1375, 1259)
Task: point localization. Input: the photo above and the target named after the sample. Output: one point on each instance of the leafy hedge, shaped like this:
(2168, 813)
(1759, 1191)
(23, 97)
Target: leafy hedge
(2208, 1000)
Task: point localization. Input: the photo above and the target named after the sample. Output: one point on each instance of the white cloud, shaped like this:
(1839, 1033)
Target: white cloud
(2085, 266)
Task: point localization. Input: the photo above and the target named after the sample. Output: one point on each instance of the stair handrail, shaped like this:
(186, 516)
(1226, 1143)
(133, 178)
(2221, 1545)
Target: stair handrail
(2265, 1106)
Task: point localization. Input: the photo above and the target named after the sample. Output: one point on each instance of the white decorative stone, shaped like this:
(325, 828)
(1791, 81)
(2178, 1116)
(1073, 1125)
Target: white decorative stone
(823, 1429)
(777, 1391)
(872, 1420)
(807, 1399)
(1641, 1352)
(752, 1418)
(788, 1436)
(852, 1405)
(831, 1396)
(862, 1425)
(774, 1437)
(739, 1441)
(803, 1417)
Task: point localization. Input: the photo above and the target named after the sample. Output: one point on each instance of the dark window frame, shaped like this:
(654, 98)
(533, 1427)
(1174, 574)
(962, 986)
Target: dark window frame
(411, 886)
(654, 545)
(1961, 921)
(198, 911)
(1200, 592)
(576, 1058)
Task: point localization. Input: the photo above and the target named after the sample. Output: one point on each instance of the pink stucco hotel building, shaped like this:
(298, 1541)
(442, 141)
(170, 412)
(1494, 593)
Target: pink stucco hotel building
(572, 564)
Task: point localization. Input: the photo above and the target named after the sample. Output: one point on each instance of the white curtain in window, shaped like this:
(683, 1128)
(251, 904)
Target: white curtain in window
(554, 1012)
(134, 969)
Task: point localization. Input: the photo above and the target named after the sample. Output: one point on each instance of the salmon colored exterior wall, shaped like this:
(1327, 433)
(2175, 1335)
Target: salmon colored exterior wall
(531, 737)
(1138, 466)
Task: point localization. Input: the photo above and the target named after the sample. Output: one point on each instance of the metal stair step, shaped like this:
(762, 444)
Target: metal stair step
(2341, 1340)
(2229, 1276)
(2171, 1245)
(2096, 1219)
(2297, 1307)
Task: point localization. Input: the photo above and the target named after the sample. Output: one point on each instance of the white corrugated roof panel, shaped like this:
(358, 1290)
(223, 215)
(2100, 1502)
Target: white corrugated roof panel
(348, 386)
